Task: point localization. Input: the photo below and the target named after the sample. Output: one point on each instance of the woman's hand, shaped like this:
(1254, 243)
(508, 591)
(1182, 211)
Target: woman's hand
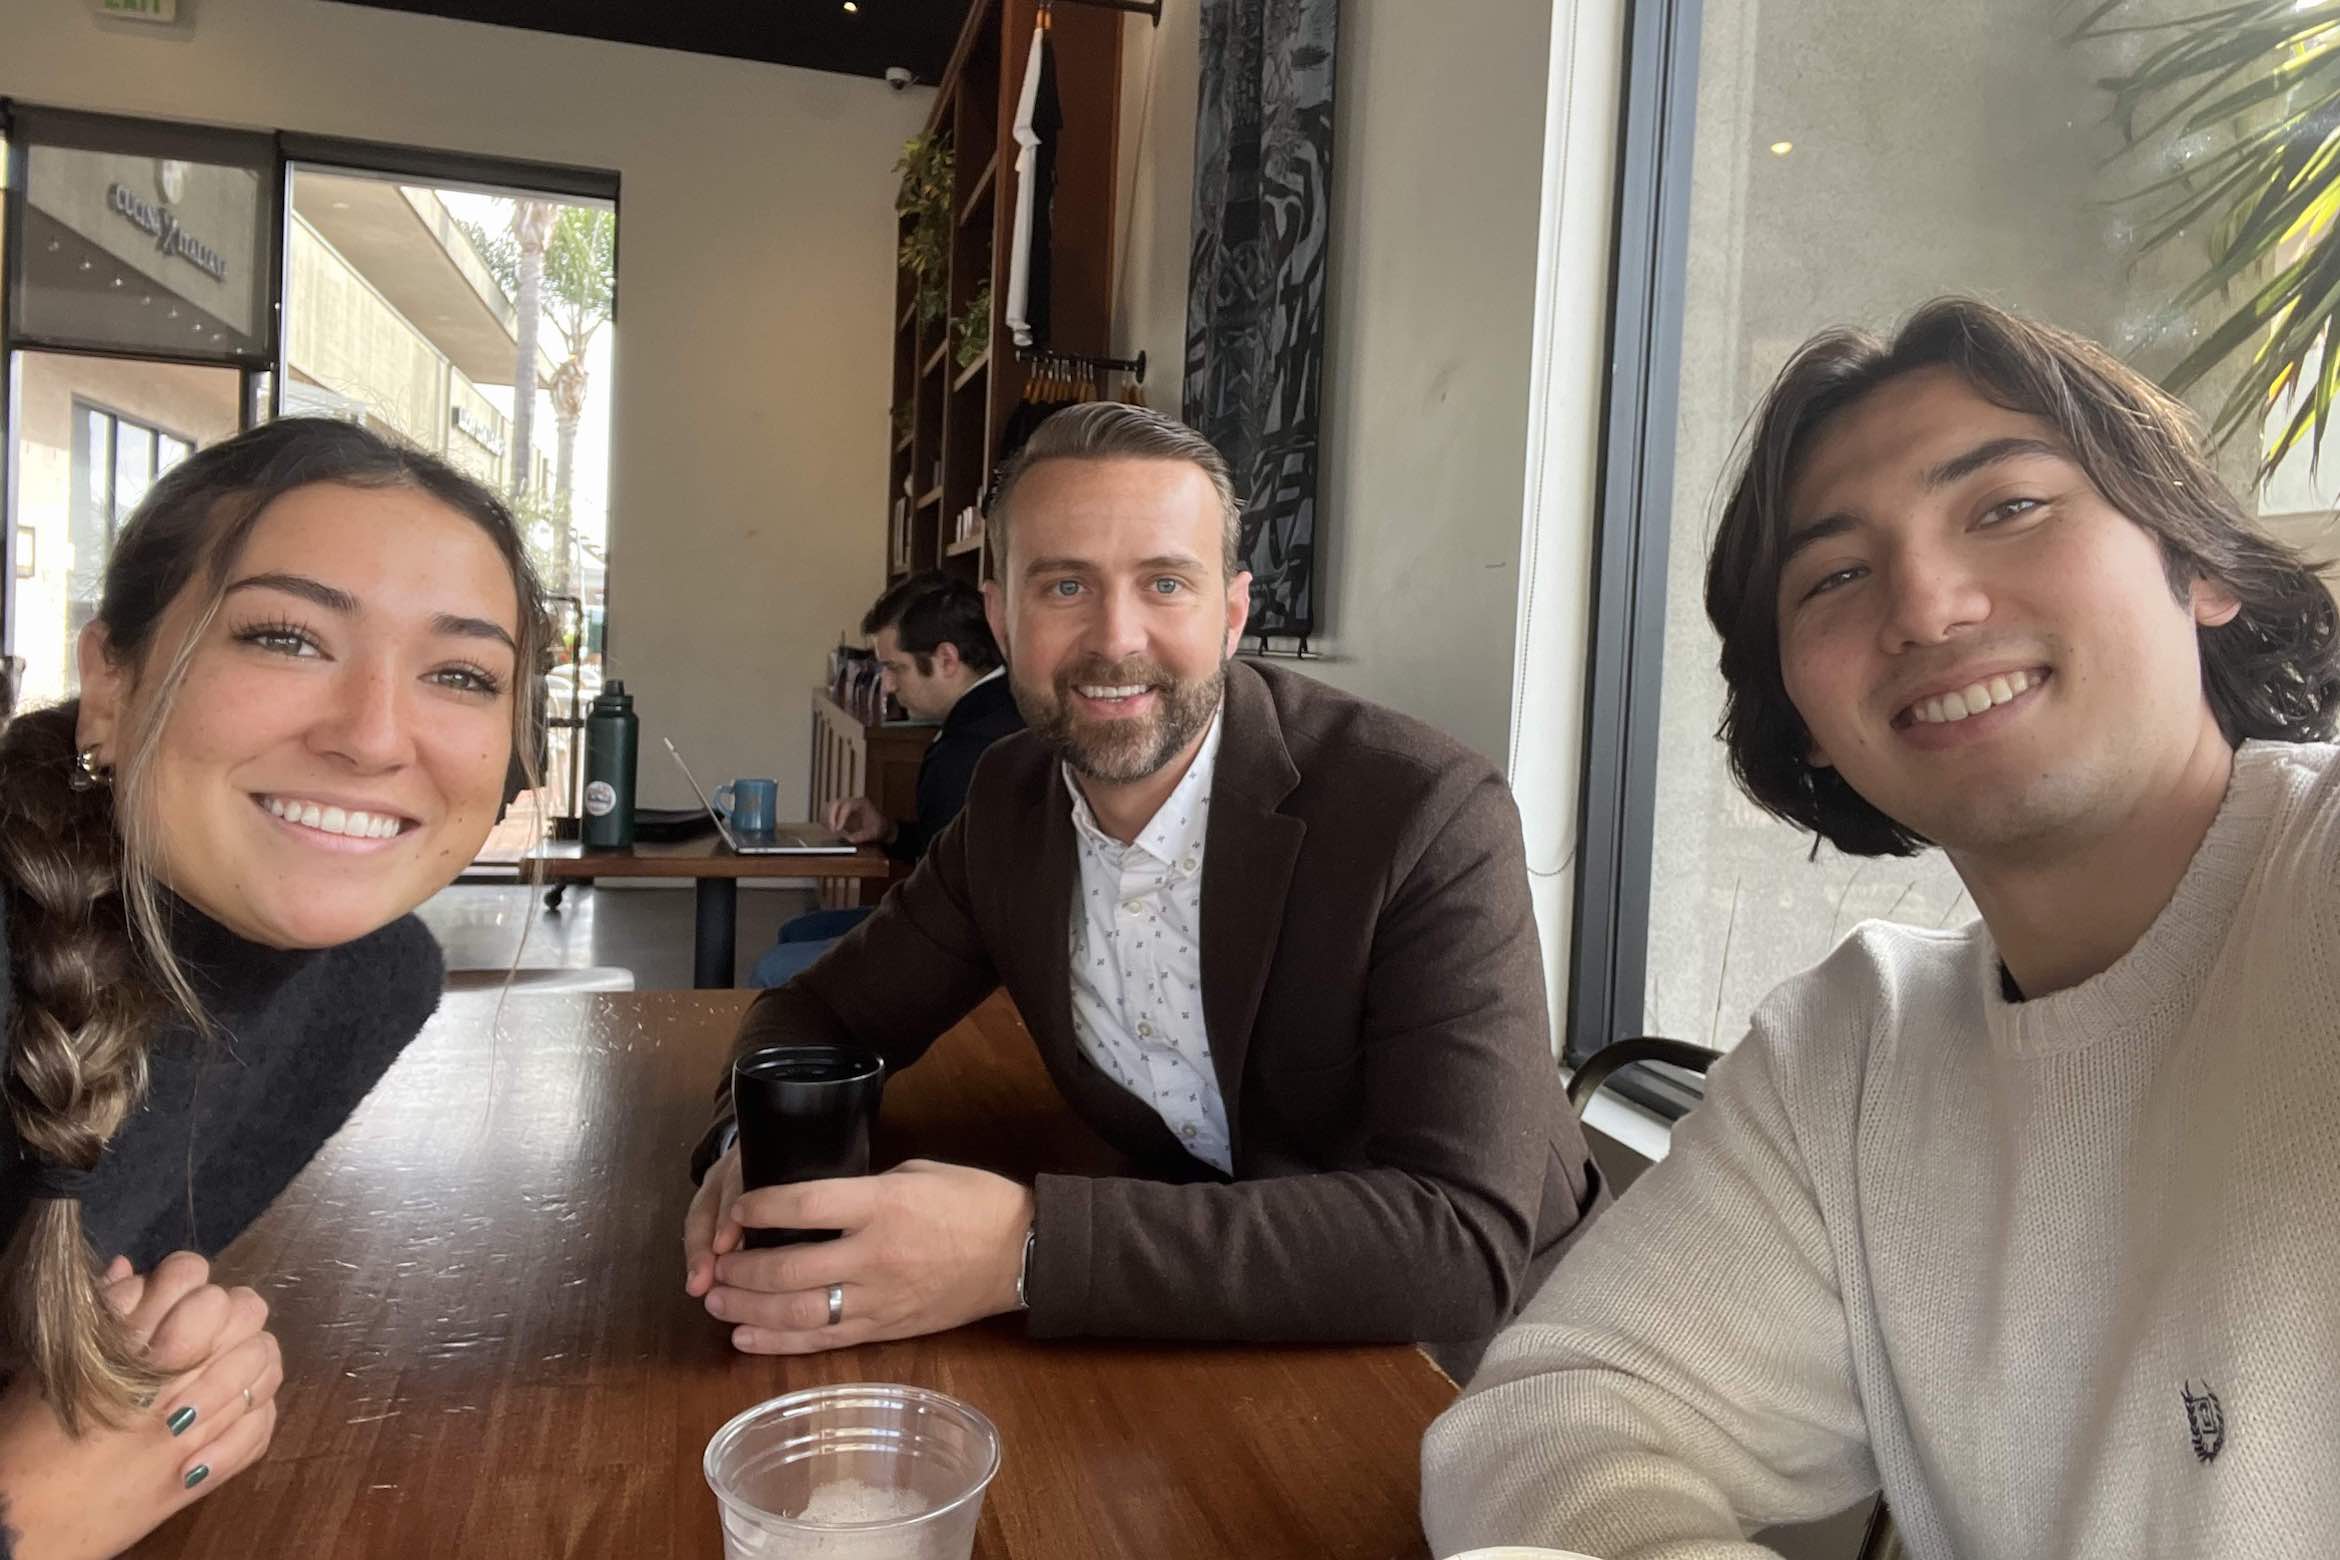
(91, 1496)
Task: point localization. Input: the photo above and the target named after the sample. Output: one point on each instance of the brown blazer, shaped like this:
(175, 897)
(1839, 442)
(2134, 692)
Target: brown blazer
(1406, 1164)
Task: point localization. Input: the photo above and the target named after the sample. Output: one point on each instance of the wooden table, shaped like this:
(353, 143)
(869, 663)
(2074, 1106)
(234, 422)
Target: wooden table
(478, 1285)
(717, 869)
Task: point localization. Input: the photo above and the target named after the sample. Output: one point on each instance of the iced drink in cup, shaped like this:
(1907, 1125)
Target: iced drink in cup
(863, 1472)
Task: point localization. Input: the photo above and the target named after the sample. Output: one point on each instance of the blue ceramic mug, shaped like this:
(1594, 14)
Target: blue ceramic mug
(749, 806)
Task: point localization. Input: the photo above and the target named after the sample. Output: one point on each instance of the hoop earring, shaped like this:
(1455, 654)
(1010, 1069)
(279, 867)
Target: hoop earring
(87, 776)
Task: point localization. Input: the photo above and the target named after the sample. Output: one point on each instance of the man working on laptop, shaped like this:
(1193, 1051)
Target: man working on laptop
(936, 654)
(1272, 942)
(2034, 1223)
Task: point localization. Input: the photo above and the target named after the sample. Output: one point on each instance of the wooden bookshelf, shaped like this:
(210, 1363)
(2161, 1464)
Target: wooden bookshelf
(955, 416)
(975, 205)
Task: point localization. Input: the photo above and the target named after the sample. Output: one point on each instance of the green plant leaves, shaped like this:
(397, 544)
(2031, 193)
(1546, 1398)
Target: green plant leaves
(928, 168)
(2269, 70)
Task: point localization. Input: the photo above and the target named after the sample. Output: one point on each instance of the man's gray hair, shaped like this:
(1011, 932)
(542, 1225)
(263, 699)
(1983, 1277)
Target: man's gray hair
(1111, 430)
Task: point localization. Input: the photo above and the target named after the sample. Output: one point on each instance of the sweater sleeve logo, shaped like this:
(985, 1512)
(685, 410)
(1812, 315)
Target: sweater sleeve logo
(2205, 1420)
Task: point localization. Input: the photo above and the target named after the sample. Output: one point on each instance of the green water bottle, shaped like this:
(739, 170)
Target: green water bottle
(612, 737)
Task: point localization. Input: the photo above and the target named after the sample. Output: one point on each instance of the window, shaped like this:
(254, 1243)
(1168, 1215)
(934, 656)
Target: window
(168, 284)
(115, 460)
(145, 238)
(401, 312)
(90, 436)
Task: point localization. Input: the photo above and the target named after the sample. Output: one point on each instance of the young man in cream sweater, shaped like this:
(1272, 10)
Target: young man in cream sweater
(2034, 1225)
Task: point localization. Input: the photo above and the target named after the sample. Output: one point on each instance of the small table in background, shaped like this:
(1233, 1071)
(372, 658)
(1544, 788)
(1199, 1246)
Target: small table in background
(717, 869)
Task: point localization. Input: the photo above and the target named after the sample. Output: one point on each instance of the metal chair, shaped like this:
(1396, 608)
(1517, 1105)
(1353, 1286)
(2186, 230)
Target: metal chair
(1641, 1048)
(1879, 1542)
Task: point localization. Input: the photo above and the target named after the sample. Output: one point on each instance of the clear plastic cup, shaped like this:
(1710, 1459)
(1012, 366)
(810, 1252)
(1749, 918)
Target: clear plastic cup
(869, 1471)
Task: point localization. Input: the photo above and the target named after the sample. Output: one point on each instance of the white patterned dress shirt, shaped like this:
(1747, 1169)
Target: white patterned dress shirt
(1137, 959)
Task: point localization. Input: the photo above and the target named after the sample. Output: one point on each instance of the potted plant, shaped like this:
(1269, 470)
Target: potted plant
(927, 169)
(973, 328)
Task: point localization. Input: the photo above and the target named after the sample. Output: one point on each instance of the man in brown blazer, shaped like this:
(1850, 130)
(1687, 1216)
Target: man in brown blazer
(1273, 942)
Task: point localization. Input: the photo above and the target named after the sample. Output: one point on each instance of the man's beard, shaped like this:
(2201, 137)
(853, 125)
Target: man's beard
(1131, 748)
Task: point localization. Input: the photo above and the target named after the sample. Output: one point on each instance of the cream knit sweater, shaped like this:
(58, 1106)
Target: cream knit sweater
(2062, 1276)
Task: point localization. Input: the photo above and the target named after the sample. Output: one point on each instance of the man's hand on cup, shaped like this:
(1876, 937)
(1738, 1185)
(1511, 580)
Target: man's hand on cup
(926, 1247)
(709, 1230)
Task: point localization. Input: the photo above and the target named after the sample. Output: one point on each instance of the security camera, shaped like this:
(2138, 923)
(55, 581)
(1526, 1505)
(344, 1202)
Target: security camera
(898, 78)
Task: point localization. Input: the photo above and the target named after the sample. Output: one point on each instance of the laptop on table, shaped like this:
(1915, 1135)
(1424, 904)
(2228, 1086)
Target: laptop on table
(787, 839)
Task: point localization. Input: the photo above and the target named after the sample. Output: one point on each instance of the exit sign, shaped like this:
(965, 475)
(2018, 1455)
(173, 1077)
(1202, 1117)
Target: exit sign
(139, 10)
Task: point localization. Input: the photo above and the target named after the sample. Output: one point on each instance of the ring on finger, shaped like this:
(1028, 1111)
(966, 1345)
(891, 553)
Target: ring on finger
(836, 1304)
(247, 1400)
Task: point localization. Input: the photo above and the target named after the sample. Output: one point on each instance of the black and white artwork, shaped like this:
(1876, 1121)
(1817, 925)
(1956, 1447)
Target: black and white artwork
(1256, 294)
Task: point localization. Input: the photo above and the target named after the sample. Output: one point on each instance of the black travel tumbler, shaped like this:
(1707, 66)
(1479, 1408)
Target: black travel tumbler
(804, 1115)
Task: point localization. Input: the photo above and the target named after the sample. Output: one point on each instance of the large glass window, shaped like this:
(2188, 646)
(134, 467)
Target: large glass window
(115, 461)
(402, 311)
(146, 238)
(1848, 163)
(91, 436)
(168, 284)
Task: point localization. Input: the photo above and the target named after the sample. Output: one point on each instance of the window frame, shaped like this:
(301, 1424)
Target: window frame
(85, 406)
(115, 420)
(1625, 660)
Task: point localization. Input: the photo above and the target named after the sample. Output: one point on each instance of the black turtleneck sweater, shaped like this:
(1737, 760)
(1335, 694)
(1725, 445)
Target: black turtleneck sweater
(300, 1039)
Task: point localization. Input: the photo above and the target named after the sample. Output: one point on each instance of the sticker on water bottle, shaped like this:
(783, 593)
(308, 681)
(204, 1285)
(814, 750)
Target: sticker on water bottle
(600, 798)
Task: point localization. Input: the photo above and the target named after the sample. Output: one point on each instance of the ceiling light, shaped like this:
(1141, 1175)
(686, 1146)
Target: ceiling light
(341, 205)
(1782, 148)
(851, 7)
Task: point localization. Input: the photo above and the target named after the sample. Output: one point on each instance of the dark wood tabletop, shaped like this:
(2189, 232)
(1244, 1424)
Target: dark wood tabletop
(704, 857)
(478, 1285)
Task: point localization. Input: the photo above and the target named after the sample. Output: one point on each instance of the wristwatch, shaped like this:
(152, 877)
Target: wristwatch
(1024, 1273)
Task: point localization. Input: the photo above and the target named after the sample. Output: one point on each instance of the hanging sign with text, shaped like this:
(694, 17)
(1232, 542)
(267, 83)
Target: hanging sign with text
(138, 10)
(169, 237)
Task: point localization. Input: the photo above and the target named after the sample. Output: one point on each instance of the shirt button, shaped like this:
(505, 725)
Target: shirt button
(1129, 907)
(1186, 1131)
(1146, 1029)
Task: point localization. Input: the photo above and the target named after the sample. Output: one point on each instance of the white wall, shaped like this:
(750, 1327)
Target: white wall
(754, 289)
(1437, 158)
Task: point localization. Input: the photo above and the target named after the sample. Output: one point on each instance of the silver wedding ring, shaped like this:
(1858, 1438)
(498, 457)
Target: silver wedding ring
(247, 1400)
(836, 1304)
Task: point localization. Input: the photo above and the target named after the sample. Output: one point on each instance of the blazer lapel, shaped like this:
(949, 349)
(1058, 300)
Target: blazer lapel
(1248, 857)
(1059, 879)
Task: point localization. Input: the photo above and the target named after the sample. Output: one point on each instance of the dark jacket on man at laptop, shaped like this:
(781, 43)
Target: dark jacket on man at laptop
(984, 714)
(1406, 1166)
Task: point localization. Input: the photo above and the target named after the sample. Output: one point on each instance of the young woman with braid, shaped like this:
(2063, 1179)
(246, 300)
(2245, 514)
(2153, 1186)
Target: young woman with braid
(299, 698)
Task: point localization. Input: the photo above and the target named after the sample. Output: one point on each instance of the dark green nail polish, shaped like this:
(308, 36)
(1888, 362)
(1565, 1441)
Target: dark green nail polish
(181, 1418)
(197, 1474)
